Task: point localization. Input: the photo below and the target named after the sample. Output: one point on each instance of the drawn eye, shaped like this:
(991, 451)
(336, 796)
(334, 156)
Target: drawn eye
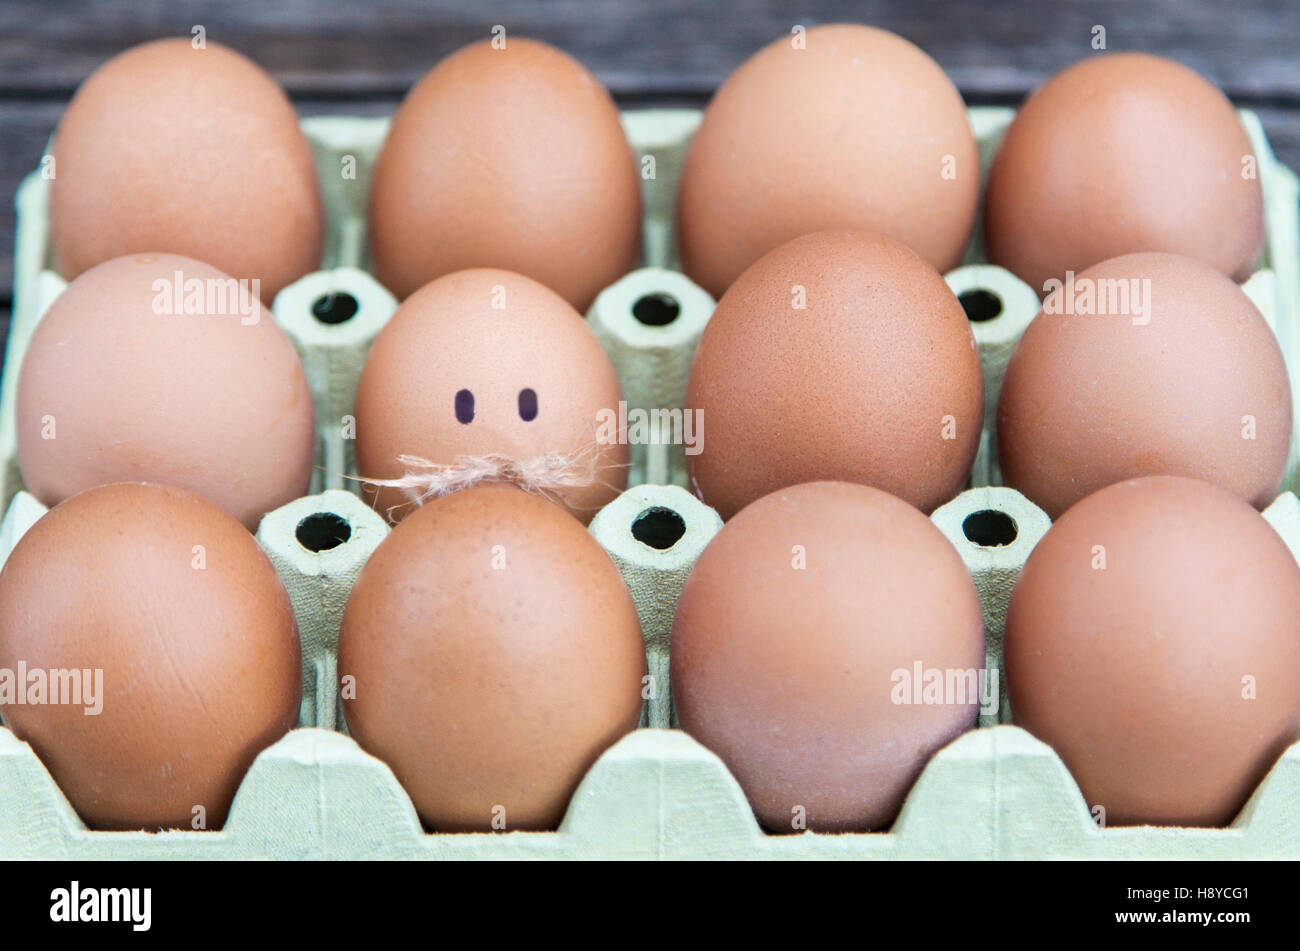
(465, 406)
(528, 405)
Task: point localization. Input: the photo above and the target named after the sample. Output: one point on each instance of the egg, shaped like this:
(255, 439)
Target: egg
(1147, 364)
(1122, 153)
(160, 368)
(1153, 640)
(837, 356)
(804, 649)
(508, 154)
(489, 653)
(194, 151)
(487, 375)
(165, 651)
(840, 126)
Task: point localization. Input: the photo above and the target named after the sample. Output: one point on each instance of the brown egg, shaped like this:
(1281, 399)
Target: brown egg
(1153, 640)
(173, 645)
(875, 379)
(511, 158)
(485, 374)
(156, 368)
(845, 126)
(1180, 375)
(1122, 153)
(796, 646)
(192, 151)
(492, 652)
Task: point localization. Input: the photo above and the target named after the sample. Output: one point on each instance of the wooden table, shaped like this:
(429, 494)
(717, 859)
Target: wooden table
(360, 57)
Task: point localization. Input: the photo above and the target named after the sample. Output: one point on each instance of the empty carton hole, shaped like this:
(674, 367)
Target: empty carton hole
(335, 308)
(989, 529)
(659, 528)
(323, 531)
(656, 310)
(980, 305)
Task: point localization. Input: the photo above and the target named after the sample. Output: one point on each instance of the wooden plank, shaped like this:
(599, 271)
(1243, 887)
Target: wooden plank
(674, 47)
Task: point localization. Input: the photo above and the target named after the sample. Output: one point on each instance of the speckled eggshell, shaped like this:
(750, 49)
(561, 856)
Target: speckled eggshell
(1194, 385)
(191, 151)
(1153, 639)
(452, 336)
(876, 380)
(173, 600)
(493, 653)
(110, 390)
(511, 158)
(857, 129)
(1122, 153)
(793, 637)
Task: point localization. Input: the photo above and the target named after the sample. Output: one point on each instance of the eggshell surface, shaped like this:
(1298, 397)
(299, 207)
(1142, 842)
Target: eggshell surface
(837, 356)
(512, 158)
(845, 126)
(1153, 640)
(1187, 379)
(113, 388)
(792, 639)
(485, 362)
(493, 652)
(190, 151)
(1122, 153)
(174, 604)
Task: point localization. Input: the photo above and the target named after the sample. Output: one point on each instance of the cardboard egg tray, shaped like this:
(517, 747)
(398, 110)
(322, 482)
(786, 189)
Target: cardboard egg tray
(994, 793)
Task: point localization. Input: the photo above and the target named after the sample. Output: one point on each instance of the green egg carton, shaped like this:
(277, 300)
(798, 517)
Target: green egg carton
(994, 793)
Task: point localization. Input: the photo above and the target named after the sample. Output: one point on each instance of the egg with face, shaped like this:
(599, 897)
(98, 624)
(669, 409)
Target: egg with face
(485, 375)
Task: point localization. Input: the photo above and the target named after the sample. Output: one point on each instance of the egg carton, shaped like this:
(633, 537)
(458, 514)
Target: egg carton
(995, 792)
